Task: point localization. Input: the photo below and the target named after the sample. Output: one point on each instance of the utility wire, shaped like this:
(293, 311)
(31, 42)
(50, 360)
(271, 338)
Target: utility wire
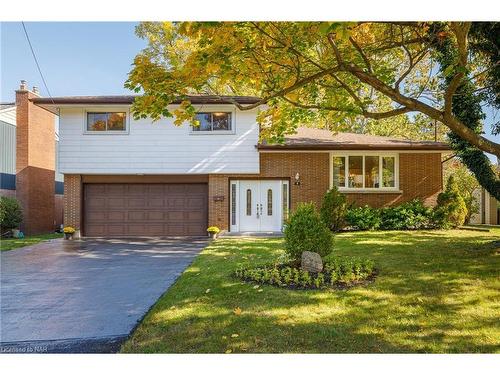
(36, 62)
(38, 66)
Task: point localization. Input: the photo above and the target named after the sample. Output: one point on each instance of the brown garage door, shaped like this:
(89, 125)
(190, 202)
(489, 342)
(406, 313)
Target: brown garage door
(145, 209)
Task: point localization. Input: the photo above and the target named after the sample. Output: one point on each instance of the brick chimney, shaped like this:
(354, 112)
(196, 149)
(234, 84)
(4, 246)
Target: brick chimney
(35, 162)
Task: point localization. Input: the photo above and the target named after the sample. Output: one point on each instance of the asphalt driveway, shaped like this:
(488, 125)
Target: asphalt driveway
(85, 296)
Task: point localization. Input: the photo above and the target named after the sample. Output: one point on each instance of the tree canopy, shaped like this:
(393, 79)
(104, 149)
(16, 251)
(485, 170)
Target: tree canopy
(338, 75)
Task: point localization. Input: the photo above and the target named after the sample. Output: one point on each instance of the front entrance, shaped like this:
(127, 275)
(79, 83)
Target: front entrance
(258, 205)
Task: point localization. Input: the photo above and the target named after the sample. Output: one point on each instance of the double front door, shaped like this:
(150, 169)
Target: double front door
(259, 205)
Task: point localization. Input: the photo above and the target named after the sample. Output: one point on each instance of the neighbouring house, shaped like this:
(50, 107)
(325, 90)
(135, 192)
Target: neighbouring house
(127, 177)
(28, 162)
(489, 209)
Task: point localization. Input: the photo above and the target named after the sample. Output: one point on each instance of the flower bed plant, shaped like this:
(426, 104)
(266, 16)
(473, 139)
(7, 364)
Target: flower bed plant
(339, 273)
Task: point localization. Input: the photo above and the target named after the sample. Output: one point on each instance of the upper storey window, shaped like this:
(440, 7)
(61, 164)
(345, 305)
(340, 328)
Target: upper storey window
(213, 122)
(106, 121)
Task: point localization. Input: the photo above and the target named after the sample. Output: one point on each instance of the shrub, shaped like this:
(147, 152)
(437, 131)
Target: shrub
(11, 213)
(363, 218)
(333, 209)
(409, 215)
(306, 232)
(336, 273)
(450, 210)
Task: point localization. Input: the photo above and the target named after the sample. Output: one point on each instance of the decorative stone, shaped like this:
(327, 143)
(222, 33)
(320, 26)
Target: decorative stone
(311, 262)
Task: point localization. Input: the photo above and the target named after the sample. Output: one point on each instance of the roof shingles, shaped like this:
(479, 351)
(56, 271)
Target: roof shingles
(321, 139)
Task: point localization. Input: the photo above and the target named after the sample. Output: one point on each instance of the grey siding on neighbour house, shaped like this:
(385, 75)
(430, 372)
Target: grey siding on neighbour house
(7, 148)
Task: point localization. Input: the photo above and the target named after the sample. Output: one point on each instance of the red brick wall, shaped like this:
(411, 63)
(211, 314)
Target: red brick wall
(35, 164)
(72, 200)
(419, 177)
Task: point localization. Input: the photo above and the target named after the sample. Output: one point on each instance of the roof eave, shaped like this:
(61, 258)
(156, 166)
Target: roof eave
(357, 147)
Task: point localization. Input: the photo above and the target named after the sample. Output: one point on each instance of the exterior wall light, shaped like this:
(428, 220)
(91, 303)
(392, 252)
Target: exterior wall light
(297, 178)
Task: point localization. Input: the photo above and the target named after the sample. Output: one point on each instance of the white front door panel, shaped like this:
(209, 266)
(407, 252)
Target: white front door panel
(259, 206)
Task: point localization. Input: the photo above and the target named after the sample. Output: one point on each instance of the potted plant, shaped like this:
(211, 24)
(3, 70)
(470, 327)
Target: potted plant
(213, 232)
(68, 233)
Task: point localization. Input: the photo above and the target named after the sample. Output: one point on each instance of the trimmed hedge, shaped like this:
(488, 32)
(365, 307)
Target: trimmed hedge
(338, 273)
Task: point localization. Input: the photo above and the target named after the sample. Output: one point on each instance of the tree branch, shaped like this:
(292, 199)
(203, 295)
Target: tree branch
(283, 92)
(363, 55)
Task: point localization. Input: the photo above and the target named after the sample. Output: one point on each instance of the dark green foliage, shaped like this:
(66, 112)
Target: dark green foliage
(484, 39)
(466, 104)
(11, 213)
(450, 210)
(406, 216)
(409, 215)
(333, 209)
(306, 232)
(339, 272)
(363, 218)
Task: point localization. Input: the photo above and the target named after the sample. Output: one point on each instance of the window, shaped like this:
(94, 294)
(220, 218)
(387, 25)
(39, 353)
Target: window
(339, 171)
(249, 202)
(364, 171)
(269, 202)
(371, 171)
(213, 122)
(284, 203)
(388, 175)
(355, 171)
(106, 121)
(233, 204)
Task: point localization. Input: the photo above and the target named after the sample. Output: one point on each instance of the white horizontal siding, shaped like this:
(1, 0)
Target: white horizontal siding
(157, 147)
(8, 115)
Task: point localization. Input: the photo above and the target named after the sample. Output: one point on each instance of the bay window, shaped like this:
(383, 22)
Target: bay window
(370, 172)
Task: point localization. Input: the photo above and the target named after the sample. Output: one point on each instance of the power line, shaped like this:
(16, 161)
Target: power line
(36, 62)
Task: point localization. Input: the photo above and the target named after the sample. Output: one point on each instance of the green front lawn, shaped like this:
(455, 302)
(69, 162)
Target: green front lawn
(437, 291)
(14, 243)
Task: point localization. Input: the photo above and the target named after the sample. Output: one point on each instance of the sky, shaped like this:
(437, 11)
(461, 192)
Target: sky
(77, 58)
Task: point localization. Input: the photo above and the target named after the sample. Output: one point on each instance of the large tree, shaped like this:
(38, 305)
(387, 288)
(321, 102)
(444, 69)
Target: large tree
(330, 74)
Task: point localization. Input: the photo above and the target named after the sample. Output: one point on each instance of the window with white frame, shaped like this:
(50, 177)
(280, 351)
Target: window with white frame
(106, 121)
(364, 171)
(213, 122)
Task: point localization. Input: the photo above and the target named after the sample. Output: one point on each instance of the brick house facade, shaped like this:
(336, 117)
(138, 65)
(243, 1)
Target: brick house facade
(159, 179)
(420, 177)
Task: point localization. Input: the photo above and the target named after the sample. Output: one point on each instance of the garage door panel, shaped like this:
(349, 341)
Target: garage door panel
(96, 202)
(112, 202)
(114, 230)
(116, 215)
(114, 189)
(156, 203)
(98, 216)
(155, 230)
(145, 209)
(136, 189)
(137, 202)
(96, 230)
(155, 215)
(137, 216)
(195, 203)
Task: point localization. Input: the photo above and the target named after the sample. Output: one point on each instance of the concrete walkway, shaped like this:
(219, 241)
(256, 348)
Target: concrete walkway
(85, 296)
